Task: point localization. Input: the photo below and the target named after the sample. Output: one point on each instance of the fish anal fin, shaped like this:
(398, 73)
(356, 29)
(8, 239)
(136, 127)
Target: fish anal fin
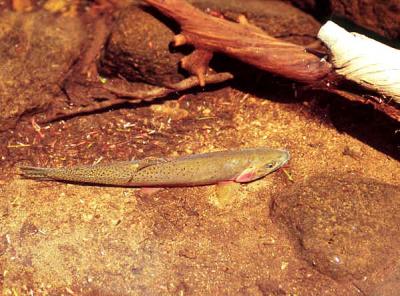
(150, 190)
(226, 194)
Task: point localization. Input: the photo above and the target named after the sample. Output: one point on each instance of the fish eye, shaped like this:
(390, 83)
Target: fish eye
(270, 165)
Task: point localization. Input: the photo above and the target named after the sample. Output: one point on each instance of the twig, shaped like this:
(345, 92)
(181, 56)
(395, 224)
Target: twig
(95, 107)
(388, 109)
(123, 88)
(87, 64)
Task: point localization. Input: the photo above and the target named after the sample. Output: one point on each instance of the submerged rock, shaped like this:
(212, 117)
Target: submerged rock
(346, 226)
(138, 48)
(381, 17)
(36, 50)
(276, 18)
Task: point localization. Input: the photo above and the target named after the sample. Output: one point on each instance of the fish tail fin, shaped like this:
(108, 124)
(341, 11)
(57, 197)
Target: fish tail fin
(34, 172)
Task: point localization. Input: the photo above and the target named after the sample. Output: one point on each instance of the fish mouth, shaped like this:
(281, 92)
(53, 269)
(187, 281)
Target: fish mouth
(284, 159)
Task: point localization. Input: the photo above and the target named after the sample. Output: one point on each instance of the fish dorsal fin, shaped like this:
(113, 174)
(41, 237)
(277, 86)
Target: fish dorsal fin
(149, 161)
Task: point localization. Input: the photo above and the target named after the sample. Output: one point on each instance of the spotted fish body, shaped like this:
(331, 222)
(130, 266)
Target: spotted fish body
(243, 165)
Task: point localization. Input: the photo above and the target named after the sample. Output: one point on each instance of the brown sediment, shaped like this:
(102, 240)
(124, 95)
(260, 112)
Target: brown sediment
(182, 235)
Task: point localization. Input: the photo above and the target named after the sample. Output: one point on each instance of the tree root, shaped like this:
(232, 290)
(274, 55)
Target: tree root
(118, 91)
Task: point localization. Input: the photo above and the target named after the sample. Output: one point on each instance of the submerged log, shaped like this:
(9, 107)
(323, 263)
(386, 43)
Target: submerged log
(363, 60)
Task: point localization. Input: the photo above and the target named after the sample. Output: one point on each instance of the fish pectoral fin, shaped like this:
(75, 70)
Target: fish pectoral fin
(226, 192)
(149, 161)
(246, 176)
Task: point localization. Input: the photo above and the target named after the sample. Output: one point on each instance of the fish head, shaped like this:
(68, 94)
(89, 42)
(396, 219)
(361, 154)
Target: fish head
(262, 164)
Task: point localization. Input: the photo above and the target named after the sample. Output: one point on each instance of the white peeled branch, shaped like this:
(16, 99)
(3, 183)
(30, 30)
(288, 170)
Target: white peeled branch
(363, 60)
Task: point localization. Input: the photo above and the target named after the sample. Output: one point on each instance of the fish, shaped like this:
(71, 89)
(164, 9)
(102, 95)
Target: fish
(242, 166)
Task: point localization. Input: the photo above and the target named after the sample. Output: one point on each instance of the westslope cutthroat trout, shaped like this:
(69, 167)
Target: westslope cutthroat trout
(241, 166)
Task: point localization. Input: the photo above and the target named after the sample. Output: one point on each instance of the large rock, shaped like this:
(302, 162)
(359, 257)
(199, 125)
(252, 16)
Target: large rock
(138, 48)
(276, 18)
(347, 226)
(36, 50)
(382, 17)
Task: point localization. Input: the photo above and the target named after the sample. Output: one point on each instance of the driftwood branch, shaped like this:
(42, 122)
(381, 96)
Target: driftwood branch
(244, 42)
(253, 46)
